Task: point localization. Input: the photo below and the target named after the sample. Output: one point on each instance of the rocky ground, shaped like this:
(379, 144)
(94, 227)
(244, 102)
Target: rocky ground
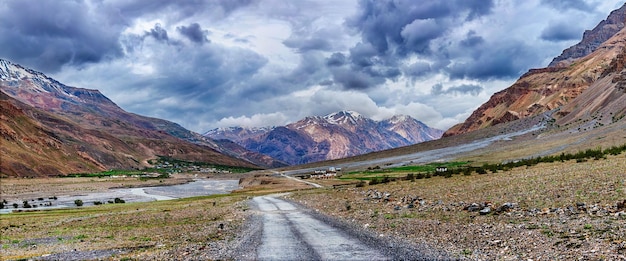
(556, 211)
(565, 211)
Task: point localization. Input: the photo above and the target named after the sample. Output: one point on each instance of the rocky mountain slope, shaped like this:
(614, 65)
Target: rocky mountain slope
(337, 135)
(49, 128)
(592, 39)
(583, 91)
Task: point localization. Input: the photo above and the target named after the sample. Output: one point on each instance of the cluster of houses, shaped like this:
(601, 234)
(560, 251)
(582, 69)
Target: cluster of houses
(188, 168)
(322, 173)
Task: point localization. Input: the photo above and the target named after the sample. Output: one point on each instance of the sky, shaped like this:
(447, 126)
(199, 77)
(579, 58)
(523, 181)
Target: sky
(255, 63)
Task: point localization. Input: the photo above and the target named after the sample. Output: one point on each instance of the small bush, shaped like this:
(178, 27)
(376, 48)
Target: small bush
(78, 202)
(361, 184)
(26, 205)
(118, 200)
(97, 203)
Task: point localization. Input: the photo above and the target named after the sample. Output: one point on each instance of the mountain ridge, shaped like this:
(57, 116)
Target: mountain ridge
(57, 129)
(336, 135)
(558, 87)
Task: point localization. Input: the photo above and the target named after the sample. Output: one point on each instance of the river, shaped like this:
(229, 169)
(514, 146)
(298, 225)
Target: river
(198, 187)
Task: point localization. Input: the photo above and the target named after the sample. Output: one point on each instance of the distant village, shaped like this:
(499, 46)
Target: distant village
(188, 167)
(329, 173)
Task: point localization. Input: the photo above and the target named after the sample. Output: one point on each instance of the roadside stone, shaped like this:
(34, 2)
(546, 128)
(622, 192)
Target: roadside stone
(485, 211)
(505, 207)
(473, 207)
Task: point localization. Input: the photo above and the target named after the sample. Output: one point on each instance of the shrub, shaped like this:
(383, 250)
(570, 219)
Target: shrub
(78, 202)
(26, 205)
(97, 203)
(118, 200)
(15, 205)
(361, 184)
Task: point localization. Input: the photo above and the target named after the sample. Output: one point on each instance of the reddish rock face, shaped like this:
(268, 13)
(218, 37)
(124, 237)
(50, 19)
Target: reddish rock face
(579, 72)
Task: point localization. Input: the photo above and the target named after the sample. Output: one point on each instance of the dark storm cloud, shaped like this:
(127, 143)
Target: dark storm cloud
(391, 31)
(336, 59)
(158, 33)
(48, 34)
(304, 45)
(418, 69)
(472, 40)
(382, 22)
(470, 89)
(194, 33)
(350, 79)
(556, 32)
(176, 9)
(501, 60)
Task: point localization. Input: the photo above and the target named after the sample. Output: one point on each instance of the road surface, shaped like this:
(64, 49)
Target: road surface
(283, 230)
(290, 234)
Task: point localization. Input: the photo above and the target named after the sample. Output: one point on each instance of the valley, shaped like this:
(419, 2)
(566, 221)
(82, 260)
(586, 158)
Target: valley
(535, 172)
(554, 210)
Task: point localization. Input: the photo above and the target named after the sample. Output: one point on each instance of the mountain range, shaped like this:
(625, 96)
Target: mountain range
(336, 135)
(48, 128)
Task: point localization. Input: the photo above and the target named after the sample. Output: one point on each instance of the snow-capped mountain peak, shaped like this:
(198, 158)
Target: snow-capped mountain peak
(336, 135)
(14, 75)
(344, 117)
(399, 118)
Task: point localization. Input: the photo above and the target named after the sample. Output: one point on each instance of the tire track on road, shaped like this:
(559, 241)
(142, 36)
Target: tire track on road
(290, 234)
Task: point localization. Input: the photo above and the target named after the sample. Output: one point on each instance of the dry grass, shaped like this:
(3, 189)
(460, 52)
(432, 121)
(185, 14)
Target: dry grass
(144, 228)
(521, 234)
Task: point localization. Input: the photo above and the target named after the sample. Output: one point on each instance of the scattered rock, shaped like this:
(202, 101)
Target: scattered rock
(473, 207)
(485, 211)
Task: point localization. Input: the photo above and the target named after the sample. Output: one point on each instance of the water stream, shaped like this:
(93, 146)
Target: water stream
(199, 187)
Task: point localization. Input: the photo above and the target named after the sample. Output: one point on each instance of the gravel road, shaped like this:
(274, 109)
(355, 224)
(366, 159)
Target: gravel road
(289, 231)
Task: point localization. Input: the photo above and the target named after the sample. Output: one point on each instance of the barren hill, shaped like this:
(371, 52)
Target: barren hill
(48, 128)
(583, 89)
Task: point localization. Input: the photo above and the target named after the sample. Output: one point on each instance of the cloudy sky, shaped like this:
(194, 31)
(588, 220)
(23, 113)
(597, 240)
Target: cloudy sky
(216, 63)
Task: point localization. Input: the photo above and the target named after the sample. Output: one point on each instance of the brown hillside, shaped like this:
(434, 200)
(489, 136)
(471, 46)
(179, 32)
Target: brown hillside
(39, 143)
(542, 90)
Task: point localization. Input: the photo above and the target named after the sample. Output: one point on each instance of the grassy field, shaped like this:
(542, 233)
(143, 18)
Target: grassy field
(403, 171)
(145, 228)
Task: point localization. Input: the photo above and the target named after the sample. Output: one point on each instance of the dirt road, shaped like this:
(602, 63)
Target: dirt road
(290, 232)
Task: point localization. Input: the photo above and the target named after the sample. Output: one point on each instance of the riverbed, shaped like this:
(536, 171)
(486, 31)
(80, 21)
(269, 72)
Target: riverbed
(198, 187)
